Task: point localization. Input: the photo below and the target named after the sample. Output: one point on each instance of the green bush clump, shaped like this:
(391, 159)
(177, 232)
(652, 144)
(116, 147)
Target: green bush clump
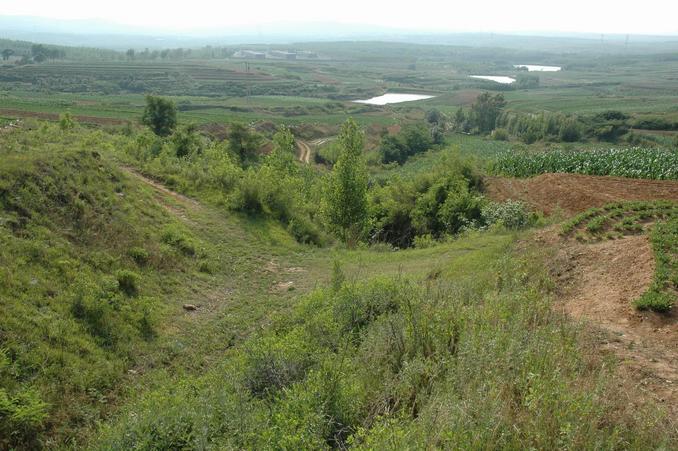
(139, 255)
(22, 416)
(500, 134)
(658, 302)
(179, 239)
(442, 202)
(128, 282)
(510, 214)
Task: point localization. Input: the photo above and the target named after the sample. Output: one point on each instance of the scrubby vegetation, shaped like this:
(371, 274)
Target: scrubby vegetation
(174, 275)
(76, 306)
(478, 361)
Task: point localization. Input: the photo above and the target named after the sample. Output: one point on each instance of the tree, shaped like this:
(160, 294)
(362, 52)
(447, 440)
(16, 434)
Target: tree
(160, 115)
(486, 109)
(243, 142)
(527, 81)
(346, 194)
(6, 54)
(460, 119)
(130, 54)
(66, 121)
(282, 156)
(186, 141)
(434, 117)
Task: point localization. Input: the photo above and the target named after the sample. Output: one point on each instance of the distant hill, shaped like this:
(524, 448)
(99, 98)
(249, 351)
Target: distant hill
(109, 35)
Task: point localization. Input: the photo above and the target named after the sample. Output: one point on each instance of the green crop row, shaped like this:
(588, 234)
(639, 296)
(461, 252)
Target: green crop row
(633, 162)
(623, 218)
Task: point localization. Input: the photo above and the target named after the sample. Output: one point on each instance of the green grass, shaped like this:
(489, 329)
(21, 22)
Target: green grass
(661, 296)
(97, 350)
(94, 269)
(472, 352)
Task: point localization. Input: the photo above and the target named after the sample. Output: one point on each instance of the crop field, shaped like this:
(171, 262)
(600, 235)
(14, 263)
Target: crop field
(636, 162)
(660, 220)
(219, 88)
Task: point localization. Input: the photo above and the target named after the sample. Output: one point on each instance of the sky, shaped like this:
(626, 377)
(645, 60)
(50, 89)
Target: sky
(591, 16)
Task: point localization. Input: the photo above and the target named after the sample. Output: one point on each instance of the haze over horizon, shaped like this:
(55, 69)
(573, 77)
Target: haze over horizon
(430, 16)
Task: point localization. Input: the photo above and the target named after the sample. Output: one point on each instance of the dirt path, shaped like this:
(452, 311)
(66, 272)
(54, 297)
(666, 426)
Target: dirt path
(181, 203)
(597, 284)
(304, 151)
(574, 193)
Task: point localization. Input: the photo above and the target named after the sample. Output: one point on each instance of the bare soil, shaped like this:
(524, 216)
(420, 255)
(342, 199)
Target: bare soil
(574, 193)
(597, 284)
(304, 151)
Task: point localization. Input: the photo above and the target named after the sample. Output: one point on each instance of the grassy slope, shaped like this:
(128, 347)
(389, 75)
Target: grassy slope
(49, 178)
(73, 216)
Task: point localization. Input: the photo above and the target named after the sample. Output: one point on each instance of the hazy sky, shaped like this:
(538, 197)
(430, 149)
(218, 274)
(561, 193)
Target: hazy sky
(597, 16)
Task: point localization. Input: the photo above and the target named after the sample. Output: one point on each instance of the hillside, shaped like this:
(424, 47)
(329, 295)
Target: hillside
(150, 319)
(275, 246)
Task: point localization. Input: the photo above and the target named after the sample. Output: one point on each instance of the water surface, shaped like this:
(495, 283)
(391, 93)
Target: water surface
(497, 78)
(538, 68)
(393, 98)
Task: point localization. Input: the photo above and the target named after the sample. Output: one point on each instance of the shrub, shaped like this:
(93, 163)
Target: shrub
(500, 134)
(66, 121)
(139, 255)
(656, 301)
(511, 214)
(21, 419)
(272, 364)
(179, 240)
(424, 241)
(128, 282)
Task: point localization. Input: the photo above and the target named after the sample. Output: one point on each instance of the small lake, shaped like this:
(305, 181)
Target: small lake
(497, 78)
(394, 98)
(537, 68)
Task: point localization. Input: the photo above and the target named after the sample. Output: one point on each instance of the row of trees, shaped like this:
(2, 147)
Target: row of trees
(487, 115)
(164, 54)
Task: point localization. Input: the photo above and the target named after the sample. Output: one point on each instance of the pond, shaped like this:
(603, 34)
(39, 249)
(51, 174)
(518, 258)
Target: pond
(393, 98)
(497, 78)
(537, 68)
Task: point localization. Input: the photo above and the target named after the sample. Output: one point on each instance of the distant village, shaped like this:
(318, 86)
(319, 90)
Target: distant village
(275, 54)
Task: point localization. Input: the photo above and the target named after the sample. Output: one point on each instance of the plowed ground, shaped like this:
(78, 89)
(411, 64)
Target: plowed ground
(574, 193)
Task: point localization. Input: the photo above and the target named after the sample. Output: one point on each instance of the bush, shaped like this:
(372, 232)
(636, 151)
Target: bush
(500, 134)
(21, 419)
(272, 364)
(139, 255)
(128, 282)
(656, 301)
(510, 214)
(179, 239)
(443, 202)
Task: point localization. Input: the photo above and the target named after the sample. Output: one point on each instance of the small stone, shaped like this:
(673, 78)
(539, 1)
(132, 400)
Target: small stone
(190, 307)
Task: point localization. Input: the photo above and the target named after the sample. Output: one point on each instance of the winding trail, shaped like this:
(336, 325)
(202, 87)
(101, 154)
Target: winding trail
(304, 151)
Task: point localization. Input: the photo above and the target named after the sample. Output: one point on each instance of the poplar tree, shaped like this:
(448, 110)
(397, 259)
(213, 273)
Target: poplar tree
(346, 194)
